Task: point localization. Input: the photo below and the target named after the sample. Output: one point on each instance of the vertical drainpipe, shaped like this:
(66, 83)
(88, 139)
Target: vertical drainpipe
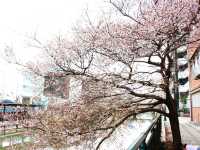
(190, 78)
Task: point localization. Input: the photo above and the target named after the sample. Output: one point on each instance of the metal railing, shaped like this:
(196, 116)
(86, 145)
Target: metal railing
(18, 111)
(149, 137)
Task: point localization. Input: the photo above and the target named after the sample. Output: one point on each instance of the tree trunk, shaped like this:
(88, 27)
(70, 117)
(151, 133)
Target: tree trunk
(174, 123)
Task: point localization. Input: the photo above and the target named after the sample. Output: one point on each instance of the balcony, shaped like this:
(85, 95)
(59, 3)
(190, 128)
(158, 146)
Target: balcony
(183, 74)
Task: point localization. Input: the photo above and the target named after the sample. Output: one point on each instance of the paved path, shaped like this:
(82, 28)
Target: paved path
(189, 132)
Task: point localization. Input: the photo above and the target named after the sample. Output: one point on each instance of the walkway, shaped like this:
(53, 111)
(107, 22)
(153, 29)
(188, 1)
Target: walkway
(190, 132)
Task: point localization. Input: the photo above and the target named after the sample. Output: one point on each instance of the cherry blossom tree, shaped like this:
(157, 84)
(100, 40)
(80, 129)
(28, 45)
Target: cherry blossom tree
(125, 64)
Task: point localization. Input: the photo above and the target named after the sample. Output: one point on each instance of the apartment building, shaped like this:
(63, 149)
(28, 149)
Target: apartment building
(29, 87)
(18, 85)
(194, 78)
(183, 74)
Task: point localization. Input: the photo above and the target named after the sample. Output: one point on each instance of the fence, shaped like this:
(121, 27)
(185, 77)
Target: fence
(15, 112)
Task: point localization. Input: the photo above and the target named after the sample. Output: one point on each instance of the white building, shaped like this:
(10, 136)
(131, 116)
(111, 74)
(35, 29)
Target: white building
(183, 74)
(17, 84)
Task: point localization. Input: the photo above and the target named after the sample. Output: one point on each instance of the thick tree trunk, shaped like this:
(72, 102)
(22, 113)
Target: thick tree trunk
(174, 123)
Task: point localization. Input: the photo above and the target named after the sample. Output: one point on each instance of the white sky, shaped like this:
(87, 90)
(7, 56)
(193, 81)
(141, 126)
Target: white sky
(19, 18)
(48, 18)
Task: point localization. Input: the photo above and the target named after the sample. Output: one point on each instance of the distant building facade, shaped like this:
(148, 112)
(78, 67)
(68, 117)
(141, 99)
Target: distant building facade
(59, 88)
(183, 75)
(30, 88)
(19, 85)
(56, 88)
(56, 85)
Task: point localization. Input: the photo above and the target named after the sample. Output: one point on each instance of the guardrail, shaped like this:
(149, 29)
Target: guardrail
(149, 137)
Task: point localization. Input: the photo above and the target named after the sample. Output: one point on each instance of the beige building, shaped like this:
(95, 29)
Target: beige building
(59, 88)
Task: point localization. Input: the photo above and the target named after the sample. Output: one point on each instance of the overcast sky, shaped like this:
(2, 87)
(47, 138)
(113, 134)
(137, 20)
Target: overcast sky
(48, 18)
(19, 18)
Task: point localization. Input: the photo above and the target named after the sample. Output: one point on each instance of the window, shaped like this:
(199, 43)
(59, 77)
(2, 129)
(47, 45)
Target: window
(196, 66)
(56, 86)
(26, 100)
(196, 99)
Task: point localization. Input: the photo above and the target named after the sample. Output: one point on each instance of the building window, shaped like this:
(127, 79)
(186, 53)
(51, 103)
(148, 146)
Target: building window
(56, 86)
(26, 100)
(196, 66)
(196, 99)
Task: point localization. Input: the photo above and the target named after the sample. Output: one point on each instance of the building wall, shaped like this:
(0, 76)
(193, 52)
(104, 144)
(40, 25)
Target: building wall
(29, 87)
(195, 84)
(75, 89)
(8, 80)
(193, 56)
(196, 114)
(16, 83)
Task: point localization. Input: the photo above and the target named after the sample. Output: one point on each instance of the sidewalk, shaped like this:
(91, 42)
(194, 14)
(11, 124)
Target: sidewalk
(190, 132)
